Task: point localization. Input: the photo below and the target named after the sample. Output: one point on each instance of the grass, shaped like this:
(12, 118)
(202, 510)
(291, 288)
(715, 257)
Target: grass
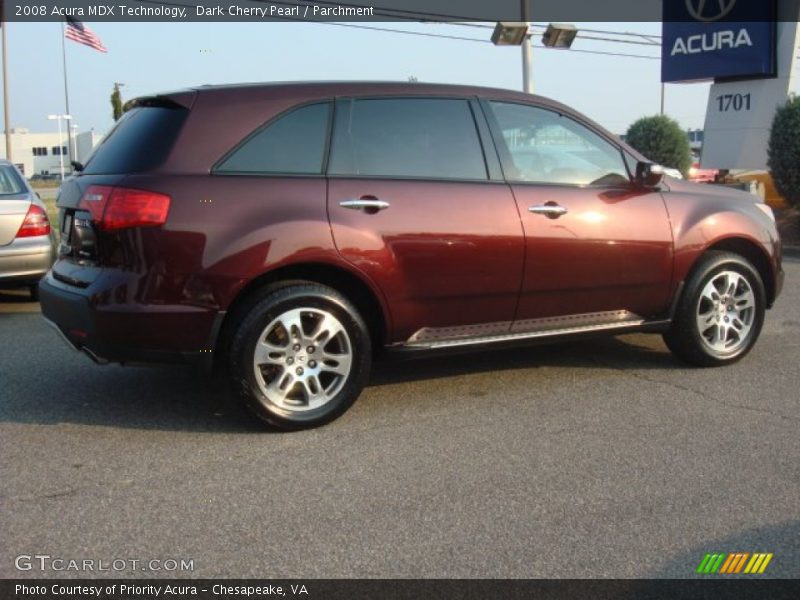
(48, 184)
(52, 212)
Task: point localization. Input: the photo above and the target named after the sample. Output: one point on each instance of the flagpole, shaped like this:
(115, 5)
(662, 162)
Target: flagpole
(6, 107)
(66, 95)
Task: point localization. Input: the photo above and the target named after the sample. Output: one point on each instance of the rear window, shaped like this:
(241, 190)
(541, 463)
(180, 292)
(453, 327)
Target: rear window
(140, 141)
(10, 182)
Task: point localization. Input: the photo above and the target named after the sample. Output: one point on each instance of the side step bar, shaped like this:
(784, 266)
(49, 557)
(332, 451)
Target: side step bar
(534, 329)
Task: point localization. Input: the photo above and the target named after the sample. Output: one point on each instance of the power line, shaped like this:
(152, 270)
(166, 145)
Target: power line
(470, 39)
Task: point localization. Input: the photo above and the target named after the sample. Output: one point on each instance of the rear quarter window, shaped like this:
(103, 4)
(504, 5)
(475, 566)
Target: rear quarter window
(292, 144)
(140, 141)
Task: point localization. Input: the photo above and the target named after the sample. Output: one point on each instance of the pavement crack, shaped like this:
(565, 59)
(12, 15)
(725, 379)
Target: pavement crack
(714, 399)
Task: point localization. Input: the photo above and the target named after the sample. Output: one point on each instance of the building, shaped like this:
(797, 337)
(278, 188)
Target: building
(41, 153)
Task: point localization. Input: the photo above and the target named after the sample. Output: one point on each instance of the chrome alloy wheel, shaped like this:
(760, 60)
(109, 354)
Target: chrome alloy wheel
(726, 312)
(302, 359)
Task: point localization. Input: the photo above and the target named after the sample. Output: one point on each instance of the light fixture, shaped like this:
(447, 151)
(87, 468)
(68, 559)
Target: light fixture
(507, 33)
(559, 35)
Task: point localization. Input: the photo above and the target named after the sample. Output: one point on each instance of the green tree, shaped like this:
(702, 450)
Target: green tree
(783, 150)
(661, 140)
(116, 102)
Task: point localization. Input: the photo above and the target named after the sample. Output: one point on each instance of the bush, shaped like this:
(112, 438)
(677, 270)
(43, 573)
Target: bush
(662, 141)
(783, 151)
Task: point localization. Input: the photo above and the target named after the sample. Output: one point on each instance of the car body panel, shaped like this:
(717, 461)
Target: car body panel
(446, 253)
(704, 215)
(611, 251)
(12, 213)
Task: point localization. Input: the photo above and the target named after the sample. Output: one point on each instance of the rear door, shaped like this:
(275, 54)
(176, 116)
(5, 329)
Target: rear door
(594, 242)
(417, 203)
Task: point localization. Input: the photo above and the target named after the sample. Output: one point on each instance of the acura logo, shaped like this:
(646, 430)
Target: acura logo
(716, 10)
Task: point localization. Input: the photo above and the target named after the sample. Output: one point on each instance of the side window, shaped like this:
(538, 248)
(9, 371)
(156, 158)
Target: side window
(294, 144)
(545, 147)
(428, 138)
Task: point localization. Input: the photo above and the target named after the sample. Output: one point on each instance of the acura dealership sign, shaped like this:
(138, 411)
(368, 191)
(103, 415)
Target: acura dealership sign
(708, 39)
(747, 48)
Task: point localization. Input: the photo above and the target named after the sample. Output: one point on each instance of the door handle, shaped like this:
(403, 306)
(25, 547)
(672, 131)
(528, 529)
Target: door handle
(368, 205)
(551, 211)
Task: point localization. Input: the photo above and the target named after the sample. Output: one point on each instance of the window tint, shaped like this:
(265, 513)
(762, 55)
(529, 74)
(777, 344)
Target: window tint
(293, 144)
(546, 147)
(9, 181)
(415, 137)
(139, 141)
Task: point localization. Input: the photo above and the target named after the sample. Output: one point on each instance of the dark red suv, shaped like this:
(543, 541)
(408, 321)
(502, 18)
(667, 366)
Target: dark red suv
(284, 233)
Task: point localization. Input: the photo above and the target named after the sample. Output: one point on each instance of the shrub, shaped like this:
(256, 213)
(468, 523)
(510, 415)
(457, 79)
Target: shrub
(783, 151)
(662, 141)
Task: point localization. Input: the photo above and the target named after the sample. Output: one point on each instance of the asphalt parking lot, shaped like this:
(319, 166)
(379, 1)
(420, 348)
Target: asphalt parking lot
(595, 459)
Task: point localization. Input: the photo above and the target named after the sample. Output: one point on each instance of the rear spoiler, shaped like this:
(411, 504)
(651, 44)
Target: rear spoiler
(180, 99)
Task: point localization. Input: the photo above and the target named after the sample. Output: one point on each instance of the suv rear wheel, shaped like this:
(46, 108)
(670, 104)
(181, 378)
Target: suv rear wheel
(720, 313)
(301, 356)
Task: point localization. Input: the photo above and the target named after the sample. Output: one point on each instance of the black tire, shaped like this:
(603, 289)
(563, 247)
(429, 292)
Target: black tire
(684, 337)
(34, 290)
(254, 387)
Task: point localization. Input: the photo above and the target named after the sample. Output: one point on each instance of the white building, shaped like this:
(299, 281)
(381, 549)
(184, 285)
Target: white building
(40, 153)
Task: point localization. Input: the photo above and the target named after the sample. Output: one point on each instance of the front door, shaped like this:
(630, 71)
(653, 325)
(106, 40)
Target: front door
(594, 242)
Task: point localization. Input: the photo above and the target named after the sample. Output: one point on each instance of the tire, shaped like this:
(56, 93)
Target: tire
(34, 290)
(712, 326)
(300, 356)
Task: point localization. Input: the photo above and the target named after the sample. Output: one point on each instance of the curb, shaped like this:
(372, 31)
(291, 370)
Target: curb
(791, 251)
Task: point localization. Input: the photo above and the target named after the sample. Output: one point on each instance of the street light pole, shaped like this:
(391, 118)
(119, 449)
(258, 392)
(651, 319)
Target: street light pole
(60, 143)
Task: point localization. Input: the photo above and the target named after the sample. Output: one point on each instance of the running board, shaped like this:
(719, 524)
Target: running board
(532, 329)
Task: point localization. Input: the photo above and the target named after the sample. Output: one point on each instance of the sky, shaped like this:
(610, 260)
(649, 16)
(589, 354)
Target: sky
(153, 57)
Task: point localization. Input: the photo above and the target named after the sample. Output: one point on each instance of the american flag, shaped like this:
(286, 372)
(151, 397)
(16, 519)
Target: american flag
(78, 32)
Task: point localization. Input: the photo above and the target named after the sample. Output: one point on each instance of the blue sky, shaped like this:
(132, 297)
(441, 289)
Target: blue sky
(151, 57)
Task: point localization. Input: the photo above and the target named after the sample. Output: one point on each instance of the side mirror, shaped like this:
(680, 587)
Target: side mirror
(649, 174)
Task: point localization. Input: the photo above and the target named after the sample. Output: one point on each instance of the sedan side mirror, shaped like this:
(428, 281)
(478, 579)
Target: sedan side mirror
(649, 174)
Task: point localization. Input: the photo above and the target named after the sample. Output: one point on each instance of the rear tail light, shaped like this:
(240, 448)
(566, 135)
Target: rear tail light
(118, 208)
(35, 224)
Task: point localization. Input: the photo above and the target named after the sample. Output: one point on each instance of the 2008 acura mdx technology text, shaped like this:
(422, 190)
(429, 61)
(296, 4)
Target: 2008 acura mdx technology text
(284, 233)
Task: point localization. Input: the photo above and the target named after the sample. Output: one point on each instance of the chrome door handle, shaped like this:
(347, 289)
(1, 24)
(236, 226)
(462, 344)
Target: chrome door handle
(552, 211)
(368, 205)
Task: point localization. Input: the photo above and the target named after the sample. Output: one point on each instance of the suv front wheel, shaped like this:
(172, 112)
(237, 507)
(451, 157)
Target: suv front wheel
(301, 356)
(720, 313)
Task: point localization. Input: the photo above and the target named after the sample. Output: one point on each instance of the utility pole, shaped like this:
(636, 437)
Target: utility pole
(6, 106)
(527, 51)
(662, 98)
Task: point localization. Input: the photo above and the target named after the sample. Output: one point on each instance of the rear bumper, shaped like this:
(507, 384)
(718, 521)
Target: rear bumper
(26, 260)
(127, 332)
